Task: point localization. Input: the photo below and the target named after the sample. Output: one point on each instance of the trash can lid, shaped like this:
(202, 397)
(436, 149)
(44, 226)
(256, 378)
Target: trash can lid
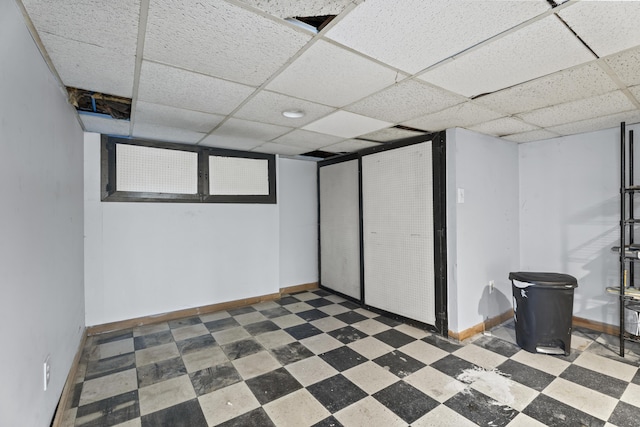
(547, 280)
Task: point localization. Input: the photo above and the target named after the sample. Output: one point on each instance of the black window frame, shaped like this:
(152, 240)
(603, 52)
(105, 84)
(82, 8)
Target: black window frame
(110, 192)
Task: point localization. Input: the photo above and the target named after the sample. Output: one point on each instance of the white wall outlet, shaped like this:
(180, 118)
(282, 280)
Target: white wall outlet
(460, 195)
(46, 372)
(492, 285)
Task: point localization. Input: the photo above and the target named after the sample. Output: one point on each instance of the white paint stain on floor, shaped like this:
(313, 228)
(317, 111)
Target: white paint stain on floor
(492, 382)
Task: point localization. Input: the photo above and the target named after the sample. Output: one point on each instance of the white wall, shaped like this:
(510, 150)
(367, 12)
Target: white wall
(149, 258)
(41, 215)
(482, 232)
(298, 202)
(569, 214)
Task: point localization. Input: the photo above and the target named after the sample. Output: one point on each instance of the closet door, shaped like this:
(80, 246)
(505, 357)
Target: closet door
(339, 195)
(398, 231)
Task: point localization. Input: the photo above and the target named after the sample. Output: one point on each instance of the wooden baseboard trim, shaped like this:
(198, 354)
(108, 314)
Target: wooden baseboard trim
(69, 384)
(481, 327)
(299, 288)
(596, 326)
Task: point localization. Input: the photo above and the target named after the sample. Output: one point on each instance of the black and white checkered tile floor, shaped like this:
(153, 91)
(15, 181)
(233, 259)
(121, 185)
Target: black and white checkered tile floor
(314, 359)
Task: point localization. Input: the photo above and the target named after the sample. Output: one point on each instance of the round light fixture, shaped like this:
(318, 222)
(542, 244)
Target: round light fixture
(293, 114)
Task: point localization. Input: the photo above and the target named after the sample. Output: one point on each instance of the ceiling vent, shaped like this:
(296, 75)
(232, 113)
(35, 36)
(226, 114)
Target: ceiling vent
(89, 102)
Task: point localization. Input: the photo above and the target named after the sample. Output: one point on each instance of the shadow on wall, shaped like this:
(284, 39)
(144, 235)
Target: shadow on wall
(494, 303)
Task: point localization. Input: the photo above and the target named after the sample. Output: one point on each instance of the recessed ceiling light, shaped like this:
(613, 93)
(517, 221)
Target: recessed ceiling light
(293, 114)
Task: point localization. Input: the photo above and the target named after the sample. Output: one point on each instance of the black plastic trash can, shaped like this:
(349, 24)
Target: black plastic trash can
(543, 311)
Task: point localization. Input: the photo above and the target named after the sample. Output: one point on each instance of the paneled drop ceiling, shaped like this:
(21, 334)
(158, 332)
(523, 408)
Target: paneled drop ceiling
(221, 72)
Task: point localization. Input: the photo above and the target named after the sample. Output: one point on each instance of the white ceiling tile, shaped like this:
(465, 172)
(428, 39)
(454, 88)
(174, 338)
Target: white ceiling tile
(309, 140)
(601, 105)
(534, 135)
(231, 142)
(461, 115)
(414, 34)
(282, 149)
(350, 145)
(563, 86)
(268, 106)
(220, 39)
(590, 125)
(175, 117)
(252, 130)
(165, 133)
(91, 67)
(332, 76)
(606, 26)
(503, 126)
(627, 66)
(161, 84)
(293, 8)
(346, 124)
(110, 24)
(104, 125)
(542, 48)
(404, 101)
(391, 134)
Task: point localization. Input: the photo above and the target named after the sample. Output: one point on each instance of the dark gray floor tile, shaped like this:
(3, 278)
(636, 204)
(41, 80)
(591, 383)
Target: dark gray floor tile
(188, 321)
(322, 293)
(452, 365)
(113, 336)
(186, 414)
(241, 310)
(350, 305)
(554, 413)
(272, 313)
(75, 396)
(110, 365)
(336, 393)
(214, 378)
(242, 348)
(394, 338)
(625, 415)
(160, 371)
(350, 317)
(319, 302)
(328, 422)
(497, 345)
(303, 331)
(524, 374)
(109, 412)
(261, 327)
(347, 334)
(287, 300)
(221, 324)
(398, 363)
(273, 385)
(256, 418)
(636, 378)
(406, 401)
(442, 343)
(311, 315)
(595, 381)
(343, 358)
(152, 340)
(291, 353)
(196, 343)
(481, 409)
(388, 321)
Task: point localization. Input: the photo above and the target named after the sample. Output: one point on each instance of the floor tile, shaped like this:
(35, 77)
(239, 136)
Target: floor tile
(152, 340)
(287, 300)
(334, 309)
(242, 348)
(606, 366)
(156, 354)
(343, 358)
(441, 343)
(319, 302)
(370, 347)
(261, 327)
(303, 331)
(275, 312)
(227, 403)
(524, 374)
(291, 353)
(632, 395)
(371, 326)
(350, 305)
(265, 305)
(481, 409)
(398, 363)
(191, 345)
(221, 324)
(328, 323)
(581, 398)
(111, 411)
(210, 317)
(230, 335)
(426, 353)
(313, 314)
(412, 331)
(523, 420)
(328, 422)
(321, 343)
(112, 365)
(249, 318)
(299, 307)
(546, 363)
(160, 371)
(594, 380)
(370, 377)
(237, 312)
(191, 331)
(366, 313)
(350, 317)
(497, 345)
(108, 386)
(214, 378)
(113, 336)
(288, 321)
(388, 321)
(452, 365)
(347, 334)
(394, 338)
(273, 385)
(334, 298)
(499, 387)
(165, 394)
(406, 401)
(435, 384)
(115, 348)
(186, 414)
(297, 409)
(625, 414)
(205, 358)
(336, 393)
(551, 412)
(311, 370)
(274, 339)
(443, 416)
(256, 364)
(187, 321)
(368, 412)
(480, 356)
(256, 418)
(150, 329)
(306, 296)
(322, 292)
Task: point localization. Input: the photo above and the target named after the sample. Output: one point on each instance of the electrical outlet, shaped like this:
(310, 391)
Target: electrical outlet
(492, 285)
(46, 372)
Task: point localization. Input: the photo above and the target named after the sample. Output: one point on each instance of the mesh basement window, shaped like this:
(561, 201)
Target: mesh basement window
(236, 175)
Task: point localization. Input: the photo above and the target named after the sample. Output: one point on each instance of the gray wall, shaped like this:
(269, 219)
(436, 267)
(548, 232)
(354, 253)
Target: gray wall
(41, 223)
